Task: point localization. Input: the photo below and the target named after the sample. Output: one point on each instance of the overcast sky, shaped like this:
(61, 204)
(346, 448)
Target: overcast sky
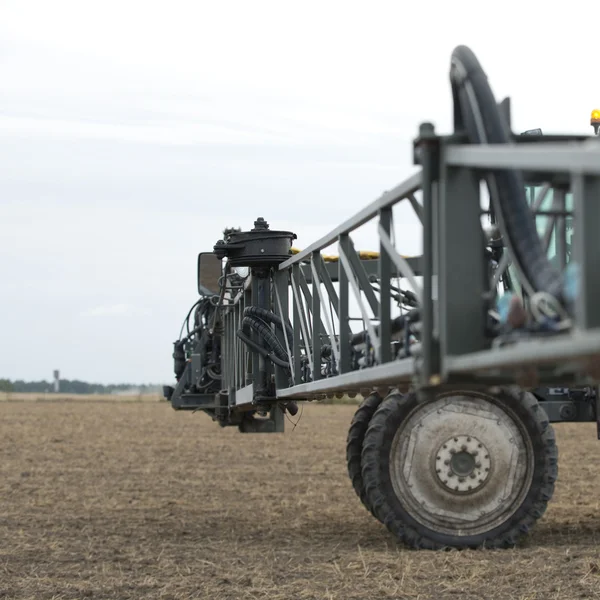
(132, 132)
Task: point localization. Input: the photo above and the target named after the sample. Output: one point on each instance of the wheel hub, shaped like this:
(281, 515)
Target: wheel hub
(462, 464)
(437, 492)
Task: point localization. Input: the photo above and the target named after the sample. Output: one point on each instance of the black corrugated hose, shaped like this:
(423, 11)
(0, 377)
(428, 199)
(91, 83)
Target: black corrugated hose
(270, 317)
(265, 333)
(476, 110)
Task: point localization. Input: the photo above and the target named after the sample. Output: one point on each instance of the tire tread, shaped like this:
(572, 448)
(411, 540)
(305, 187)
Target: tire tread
(542, 488)
(354, 444)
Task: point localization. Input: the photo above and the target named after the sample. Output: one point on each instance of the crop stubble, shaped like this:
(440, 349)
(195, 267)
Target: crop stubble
(133, 500)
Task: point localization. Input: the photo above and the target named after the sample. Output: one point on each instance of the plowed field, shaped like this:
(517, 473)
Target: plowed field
(133, 500)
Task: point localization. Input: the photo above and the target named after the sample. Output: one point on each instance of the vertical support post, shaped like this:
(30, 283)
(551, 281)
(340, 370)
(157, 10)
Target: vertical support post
(316, 319)
(586, 246)
(462, 270)
(345, 331)
(262, 369)
(227, 380)
(252, 355)
(277, 417)
(282, 308)
(560, 228)
(229, 333)
(385, 295)
(505, 111)
(427, 155)
(246, 356)
(225, 353)
(298, 324)
(241, 347)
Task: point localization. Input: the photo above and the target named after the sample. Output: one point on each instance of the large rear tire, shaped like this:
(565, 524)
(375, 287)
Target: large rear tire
(464, 470)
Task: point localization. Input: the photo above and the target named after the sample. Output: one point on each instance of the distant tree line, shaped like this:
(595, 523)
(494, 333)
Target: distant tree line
(68, 386)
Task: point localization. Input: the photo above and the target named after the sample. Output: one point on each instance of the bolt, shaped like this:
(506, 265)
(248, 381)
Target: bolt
(479, 445)
(445, 446)
(461, 479)
(456, 439)
(445, 481)
(487, 469)
(438, 457)
(486, 456)
(463, 448)
(474, 453)
(468, 439)
(450, 474)
(446, 462)
(470, 487)
(456, 488)
(438, 470)
(472, 475)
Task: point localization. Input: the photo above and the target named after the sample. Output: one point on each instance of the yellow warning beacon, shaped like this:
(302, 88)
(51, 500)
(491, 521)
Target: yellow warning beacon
(595, 120)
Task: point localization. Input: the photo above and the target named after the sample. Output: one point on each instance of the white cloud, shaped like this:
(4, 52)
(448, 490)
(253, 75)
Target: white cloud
(115, 310)
(170, 134)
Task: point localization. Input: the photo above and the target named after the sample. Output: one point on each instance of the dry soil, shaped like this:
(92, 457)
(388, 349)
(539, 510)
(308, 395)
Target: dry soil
(134, 500)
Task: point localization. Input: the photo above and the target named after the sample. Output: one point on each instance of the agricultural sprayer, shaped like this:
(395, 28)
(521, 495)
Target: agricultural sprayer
(464, 355)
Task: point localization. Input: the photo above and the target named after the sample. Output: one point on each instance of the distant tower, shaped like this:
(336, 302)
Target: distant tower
(56, 381)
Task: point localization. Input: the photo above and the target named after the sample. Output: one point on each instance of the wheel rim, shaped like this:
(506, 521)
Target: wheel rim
(461, 464)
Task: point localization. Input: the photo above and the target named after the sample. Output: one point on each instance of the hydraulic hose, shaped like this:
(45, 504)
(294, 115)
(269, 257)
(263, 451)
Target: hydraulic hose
(265, 352)
(266, 334)
(476, 110)
(258, 312)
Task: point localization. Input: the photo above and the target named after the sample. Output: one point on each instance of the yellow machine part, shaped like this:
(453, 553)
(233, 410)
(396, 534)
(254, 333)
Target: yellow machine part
(362, 254)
